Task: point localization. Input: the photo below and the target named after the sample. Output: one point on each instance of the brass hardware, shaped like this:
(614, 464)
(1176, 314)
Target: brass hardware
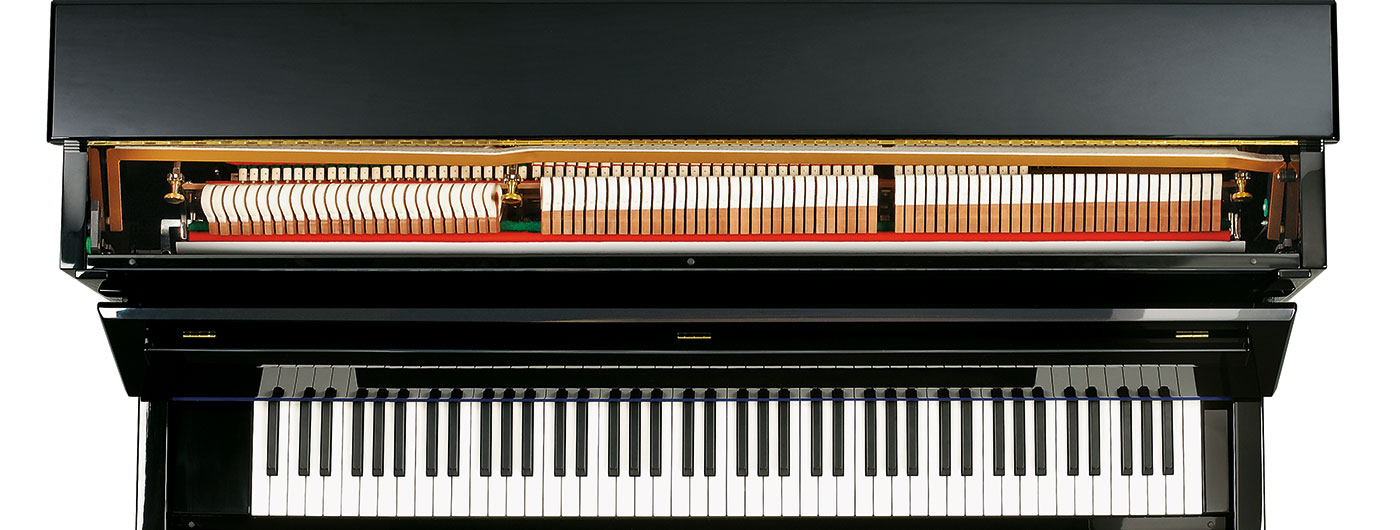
(692, 336)
(1193, 334)
(1241, 181)
(198, 334)
(176, 179)
(512, 181)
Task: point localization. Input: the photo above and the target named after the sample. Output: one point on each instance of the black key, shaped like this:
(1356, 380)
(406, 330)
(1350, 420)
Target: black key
(656, 397)
(615, 432)
(911, 432)
(484, 429)
(327, 412)
(357, 437)
(1095, 434)
(965, 397)
(1168, 433)
(304, 434)
(838, 433)
(710, 429)
(891, 432)
(1018, 432)
(401, 435)
(273, 423)
(377, 453)
(507, 432)
(1146, 430)
(784, 433)
(430, 466)
(581, 424)
(561, 406)
(527, 434)
(763, 431)
(1071, 432)
(634, 433)
(998, 432)
(454, 434)
(741, 433)
(1125, 418)
(945, 434)
(1040, 431)
(869, 434)
(688, 433)
(816, 436)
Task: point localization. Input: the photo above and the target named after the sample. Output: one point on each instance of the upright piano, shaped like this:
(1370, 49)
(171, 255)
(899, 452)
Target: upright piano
(965, 264)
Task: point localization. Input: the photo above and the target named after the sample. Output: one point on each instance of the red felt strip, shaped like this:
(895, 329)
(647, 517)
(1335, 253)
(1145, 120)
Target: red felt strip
(534, 237)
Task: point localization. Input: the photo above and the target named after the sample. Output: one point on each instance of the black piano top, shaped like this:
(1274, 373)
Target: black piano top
(1239, 69)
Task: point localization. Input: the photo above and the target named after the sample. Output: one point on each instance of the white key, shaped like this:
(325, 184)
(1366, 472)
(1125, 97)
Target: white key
(407, 484)
(314, 500)
(461, 484)
(661, 494)
(260, 479)
(534, 484)
(1046, 487)
(937, 482)
(753, 484)
(515, 483)
(479, 487)
(588, 484)
(1156, 482)
(1114, 467)
(569, 493)
(386, 485)
(881, 503)
(957, 483)
(846, 490)
(991, 483)
(734, 484)
(296, 483)
(424, 494)
(607, 484)
(1175, 485)
(369, 484)
(827, 488)
(864, 483)
(1084, 483)
(1103, 482)
(334, 484)
(639, 495)
(774, 504)
(789, 488)
(551, 483)
(442, 484)
(1010, 483)
(681, 497)
(349, 483)
(802, 443)
(1064, 483)
(699, 484)
(900, 483)
(623, 502)
(974, 491)
(1030, 484)
(919, 484)
(719, 491)
(1190, 466)
(1137, 484)
(495, 482)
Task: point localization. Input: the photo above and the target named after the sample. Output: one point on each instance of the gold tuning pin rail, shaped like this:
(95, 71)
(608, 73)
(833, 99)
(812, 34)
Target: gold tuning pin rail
(511, 195)
(1241, 181)
(176, 180)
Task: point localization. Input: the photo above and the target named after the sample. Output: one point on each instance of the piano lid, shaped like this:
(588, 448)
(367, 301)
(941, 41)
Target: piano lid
(1165, 69)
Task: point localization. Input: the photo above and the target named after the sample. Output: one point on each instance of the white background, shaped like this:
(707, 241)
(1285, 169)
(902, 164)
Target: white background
(68, 432)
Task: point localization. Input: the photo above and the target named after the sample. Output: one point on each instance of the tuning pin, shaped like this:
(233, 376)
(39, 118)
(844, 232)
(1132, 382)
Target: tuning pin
(176, 179)
(1241, 181)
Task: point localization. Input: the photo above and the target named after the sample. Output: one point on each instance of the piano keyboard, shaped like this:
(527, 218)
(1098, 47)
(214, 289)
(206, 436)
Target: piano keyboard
(1008, 199)
(352, 208)
(728, 199)
(1088, 440)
